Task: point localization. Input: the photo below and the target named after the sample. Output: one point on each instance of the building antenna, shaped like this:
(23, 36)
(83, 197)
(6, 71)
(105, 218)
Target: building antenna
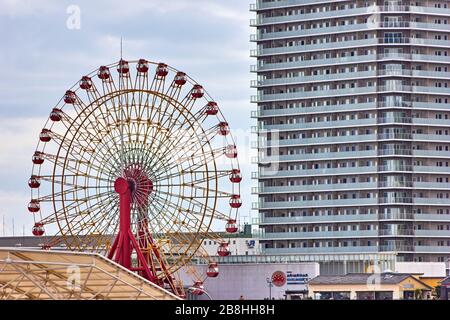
(4, 231)
(13, 227)
(120, 104)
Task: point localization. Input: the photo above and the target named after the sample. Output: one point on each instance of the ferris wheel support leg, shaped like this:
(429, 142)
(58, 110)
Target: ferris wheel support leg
(124, 250)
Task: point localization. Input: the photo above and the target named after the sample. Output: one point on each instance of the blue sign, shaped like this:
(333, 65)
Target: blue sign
(251, 244)
(296, 278)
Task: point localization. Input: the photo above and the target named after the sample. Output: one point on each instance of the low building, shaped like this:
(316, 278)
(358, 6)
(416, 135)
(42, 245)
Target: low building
(256, 281)
(445, 289)
(366, 286)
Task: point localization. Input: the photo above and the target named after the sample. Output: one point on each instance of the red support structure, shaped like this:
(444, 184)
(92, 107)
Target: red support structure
(125, 242)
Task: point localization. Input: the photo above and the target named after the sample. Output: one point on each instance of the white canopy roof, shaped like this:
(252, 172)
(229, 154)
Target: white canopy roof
(47, 274)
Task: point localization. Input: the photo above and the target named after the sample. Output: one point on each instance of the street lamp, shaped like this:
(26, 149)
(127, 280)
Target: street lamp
(270, 284)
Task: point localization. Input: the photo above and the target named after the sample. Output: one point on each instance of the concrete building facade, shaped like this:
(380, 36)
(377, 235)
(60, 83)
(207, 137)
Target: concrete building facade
(353, 127)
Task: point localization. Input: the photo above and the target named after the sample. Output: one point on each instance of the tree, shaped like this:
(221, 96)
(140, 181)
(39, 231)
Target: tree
(418, 294)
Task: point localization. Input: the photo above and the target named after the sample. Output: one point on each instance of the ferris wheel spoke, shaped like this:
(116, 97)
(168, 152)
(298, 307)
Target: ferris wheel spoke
(184, 148)
(162, 203)
(197, 159)
(98, 213)
(204, 175)
(70, 209)
(207, 211)
(50, 178)
(204, 192)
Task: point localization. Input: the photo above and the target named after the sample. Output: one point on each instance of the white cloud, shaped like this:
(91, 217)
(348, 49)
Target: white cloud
(19, 140)
(16, 8)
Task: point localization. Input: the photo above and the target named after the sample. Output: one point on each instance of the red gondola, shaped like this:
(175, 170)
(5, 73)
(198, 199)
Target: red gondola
(142, 65)
(34, 206)
(231, 226)
(85, 83)
(197, 91)
(180, 78)
(231, 151)
(44, 136)
(70, 97)
(38, 229)
(103, 73)
(235, 176)
(211, 108)
(34, 182)
(37, 158)
(56, 114)
(223, 250)
(213, 270)
(123, 67)
(224, 129)
(235, 201)
(162, 70)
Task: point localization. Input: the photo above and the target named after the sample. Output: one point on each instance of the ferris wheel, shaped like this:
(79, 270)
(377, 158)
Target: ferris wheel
(136, 161)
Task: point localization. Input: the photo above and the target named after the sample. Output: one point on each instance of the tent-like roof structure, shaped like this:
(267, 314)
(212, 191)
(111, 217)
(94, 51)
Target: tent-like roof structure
(54, 275)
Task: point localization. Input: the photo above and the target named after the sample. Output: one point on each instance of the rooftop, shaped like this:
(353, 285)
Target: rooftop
(362, 278)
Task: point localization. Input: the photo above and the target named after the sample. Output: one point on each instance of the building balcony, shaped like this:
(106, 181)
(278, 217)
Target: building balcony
(319, 125)
(431, 169)
(348, 28)
(353, 186)
(259, 52)
(432, 217)
(315, 219)
(432, 233)
(313, 16)
(321, 250)
(300, 95)
(311, 79)
(431, 185)
(315, 63)
(318, 187)
(309, 32)
(314, 94)
(359, 59)
(314, 47)
(431, 106)
(267, 174)
(315, 203)
(261, 205)
(431, 137)
(335, 13)
(431, 201)
(313, 110)
(395, 232)
(396, 248)
(323, 78)
(317, 141)
(431, 154)
(319, 156)
(318, 235)
(432, 249)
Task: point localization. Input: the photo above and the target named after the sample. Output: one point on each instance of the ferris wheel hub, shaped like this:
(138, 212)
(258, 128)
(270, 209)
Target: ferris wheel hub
(121, 185)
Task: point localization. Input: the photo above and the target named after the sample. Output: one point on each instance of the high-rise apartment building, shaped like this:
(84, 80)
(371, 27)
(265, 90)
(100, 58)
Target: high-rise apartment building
(353, 126)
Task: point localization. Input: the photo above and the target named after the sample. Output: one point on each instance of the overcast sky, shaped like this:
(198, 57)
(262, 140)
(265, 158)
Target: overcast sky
(41, 58)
